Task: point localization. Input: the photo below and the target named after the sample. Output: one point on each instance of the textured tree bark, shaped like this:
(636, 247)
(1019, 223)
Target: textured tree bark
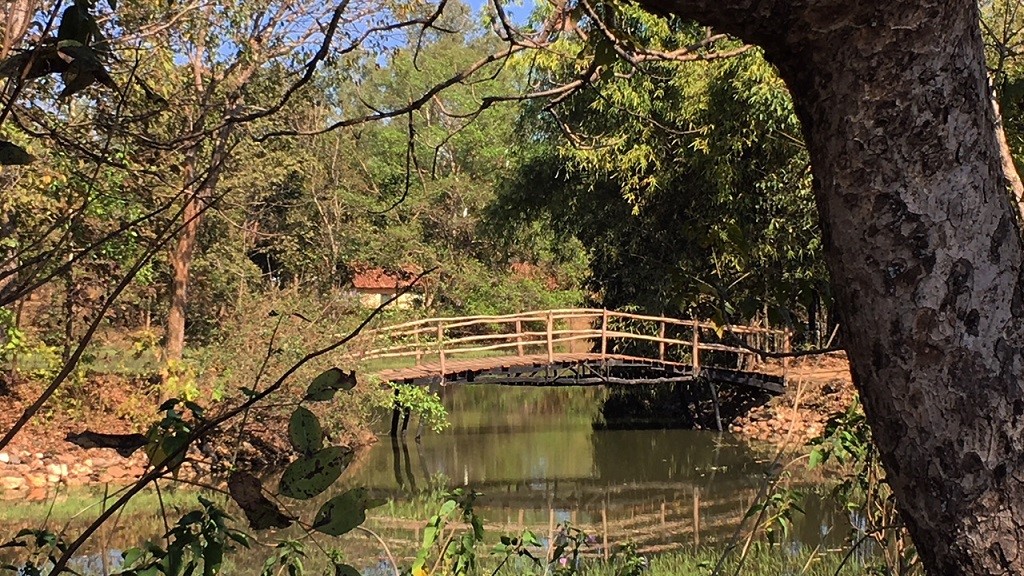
(924, 248)
(181, 260)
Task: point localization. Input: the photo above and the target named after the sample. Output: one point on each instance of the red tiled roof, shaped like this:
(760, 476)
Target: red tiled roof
(380, 279)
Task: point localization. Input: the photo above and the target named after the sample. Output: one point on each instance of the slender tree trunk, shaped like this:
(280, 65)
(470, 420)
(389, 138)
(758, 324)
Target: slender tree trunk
(69, 313)
(17, 17)
(181, 260)
(1013, 181)
(185, 246)
(924, 249)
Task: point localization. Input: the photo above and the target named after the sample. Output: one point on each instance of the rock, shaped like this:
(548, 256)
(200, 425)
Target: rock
(12, 483)
(36, 481)
(53, 478)
(57, 469)
(117, 472)
(39, 455)
(5, 458)
(37, 494)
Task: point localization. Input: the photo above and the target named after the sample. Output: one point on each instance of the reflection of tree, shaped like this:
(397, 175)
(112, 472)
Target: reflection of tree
(488, 407)
(679, 405)
(670, 456)
(401, 464)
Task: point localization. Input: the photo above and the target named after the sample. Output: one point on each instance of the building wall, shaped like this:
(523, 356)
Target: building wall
(372, 298)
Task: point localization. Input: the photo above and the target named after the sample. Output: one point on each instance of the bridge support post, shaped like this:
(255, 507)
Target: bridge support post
(714, 402)
(396, 415)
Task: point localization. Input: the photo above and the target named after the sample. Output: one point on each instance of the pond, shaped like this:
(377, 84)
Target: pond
(538, 463)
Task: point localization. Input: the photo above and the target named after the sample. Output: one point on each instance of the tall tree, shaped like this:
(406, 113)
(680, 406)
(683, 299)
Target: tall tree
(924, 247)
(688, 185)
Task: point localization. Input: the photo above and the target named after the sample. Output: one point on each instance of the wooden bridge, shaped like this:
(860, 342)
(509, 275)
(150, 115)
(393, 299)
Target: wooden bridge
(574, 347)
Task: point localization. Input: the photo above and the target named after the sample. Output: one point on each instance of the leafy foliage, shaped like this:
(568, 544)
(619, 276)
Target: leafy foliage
(688, 185)
(864, 492)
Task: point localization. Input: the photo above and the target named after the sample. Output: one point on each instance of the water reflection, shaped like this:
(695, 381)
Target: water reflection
(538, 461)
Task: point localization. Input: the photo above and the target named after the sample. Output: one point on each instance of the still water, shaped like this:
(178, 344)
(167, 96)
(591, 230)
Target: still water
(538, 461)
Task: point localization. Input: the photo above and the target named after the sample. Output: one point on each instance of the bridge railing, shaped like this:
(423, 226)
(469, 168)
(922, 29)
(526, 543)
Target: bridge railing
(547, 333)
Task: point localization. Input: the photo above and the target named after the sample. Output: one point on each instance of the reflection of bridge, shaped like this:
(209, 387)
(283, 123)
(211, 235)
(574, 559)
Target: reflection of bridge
(576, 347)
(658, 511)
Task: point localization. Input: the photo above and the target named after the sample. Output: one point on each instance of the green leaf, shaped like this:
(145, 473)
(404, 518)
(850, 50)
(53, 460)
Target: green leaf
(130, 556)
(447, 508)
(14, 155)
(345, 570)
(311, 475)
(213, 557)
(169, 448)
(305, 432)
(326, 384)
(342, 514)
(815, 458)
(75, 24)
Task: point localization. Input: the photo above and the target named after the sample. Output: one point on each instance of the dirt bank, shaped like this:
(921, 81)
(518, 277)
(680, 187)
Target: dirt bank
(39, 461)
(818, 388)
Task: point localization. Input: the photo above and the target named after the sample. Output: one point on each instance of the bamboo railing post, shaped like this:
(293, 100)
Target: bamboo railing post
(550, 331)
(519, 337)
(419, 353)
(604, 335)
(786, 347)
(440, 345)
(661, 342)
(695, 355)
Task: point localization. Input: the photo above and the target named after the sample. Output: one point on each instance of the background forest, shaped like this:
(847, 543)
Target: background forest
(203, 165)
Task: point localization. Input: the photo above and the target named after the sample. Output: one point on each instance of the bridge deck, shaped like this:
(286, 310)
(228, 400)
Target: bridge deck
(573, 369)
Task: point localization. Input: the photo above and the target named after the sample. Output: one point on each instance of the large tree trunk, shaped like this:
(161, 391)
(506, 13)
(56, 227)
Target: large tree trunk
(924, 248)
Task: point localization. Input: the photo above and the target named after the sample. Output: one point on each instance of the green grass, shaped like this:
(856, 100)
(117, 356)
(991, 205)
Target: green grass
(85, 504)
(762, 560)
